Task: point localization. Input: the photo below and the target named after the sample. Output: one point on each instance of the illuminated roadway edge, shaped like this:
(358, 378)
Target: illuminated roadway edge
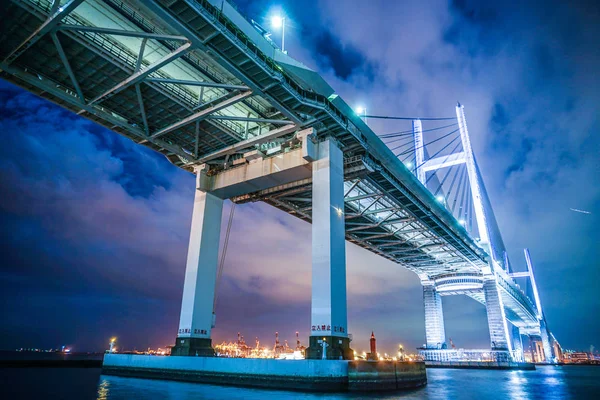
(426, 238)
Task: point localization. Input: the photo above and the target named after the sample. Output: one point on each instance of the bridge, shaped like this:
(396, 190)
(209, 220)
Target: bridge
(197, 82)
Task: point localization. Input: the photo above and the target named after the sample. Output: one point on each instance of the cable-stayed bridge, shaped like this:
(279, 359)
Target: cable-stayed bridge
(197, 82)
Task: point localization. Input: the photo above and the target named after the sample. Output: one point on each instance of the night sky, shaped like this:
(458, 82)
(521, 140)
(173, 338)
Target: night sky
(94, 229)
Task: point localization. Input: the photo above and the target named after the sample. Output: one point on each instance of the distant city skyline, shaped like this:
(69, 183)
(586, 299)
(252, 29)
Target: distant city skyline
(94, 229)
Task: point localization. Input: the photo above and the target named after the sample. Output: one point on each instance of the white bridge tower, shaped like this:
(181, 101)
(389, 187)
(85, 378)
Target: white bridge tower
(489, 239)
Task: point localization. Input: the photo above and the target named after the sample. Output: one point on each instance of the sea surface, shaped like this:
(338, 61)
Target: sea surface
(547, 382)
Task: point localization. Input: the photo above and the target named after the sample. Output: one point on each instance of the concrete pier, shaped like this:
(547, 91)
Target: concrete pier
(308, 375)
(196, 320)
(497, 324)
(434, 317)
(329, 320)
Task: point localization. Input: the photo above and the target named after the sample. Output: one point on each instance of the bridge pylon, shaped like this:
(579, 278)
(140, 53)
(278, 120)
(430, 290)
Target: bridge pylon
(434, 317)
(545, 335)
(319, 159)
(329, 320)
(489, 239)
(196, 318)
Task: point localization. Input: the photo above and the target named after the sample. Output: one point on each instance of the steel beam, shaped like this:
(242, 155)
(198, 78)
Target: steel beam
(397, 221)
(352, 187)
(65, 61)
(381, 235)
(380, 210)
(392, 243)
(55, 5)
(246, 119)
(362, 196)
(138, 92)
(362, 228)
(289, 207)
(140, 75)
(360, 213)
(404, 251)
(433, 164)
(413, 256)
(249, 143)
(519, 275)
(213, 100)
(45, 28)
(106, 115)
(304, 199)
(197, 139)
(179, 26)
(200, 115)
(199, 83)
(140, 58)
(120, 32)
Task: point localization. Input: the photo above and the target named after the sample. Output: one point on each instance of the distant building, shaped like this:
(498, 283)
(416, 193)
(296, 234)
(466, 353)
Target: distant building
(373, 344)
(558, 352)
(580, 358)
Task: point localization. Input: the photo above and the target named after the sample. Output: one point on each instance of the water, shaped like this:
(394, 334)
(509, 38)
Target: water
(568, 382)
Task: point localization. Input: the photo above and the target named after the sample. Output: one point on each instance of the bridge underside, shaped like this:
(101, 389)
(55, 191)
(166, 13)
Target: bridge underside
(381, 219)
(197, 88)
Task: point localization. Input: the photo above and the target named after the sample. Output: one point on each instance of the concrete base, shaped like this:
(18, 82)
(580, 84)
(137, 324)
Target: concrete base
(480, 365)
(385, 375)
(309, 375)
(339, 348)
(193, 347)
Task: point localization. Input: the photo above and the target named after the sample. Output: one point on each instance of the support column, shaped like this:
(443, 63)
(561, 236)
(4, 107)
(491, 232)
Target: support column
(434, 318)
(517, 344)
(548, 357)
(196, 320)
(328, 306)
(495, 313)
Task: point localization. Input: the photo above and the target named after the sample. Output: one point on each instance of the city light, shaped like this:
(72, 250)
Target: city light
(440, 199)
(462, 222)
(361, 112)
(339, 211)
(112, 347)
(277, 22)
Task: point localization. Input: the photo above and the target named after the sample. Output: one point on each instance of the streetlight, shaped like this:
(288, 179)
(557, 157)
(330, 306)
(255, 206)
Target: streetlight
(361, 112)
(277, 22)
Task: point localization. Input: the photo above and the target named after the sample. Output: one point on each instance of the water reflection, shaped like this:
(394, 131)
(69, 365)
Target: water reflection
(516, 384)
(103, 389)
(554, 380)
